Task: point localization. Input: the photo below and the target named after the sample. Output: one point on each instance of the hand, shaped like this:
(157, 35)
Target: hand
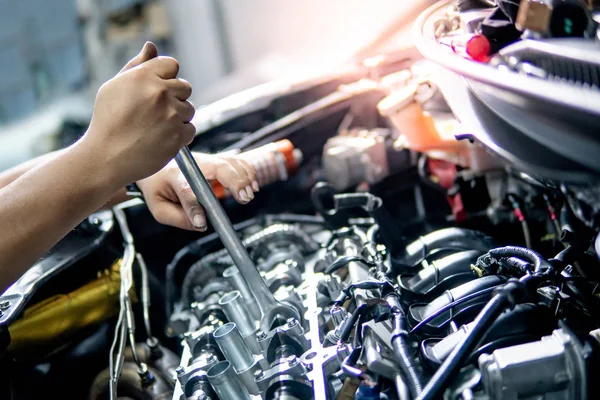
(141, 118)
(172, 202)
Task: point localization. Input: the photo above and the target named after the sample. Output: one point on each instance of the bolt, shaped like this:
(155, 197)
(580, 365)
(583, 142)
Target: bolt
(211, 359)
(180, 370)
(292, 322)
(4, 304)
(260, 335)
(259, 374)
(292, 360)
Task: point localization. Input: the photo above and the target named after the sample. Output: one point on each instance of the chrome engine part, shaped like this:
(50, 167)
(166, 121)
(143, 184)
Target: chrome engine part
(554, 368)
(383, 320)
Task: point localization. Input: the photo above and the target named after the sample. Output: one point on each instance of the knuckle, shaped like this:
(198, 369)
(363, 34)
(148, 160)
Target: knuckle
(160, 94)
(173, 63)
(184, 187)
(188, 133)
(186, 85)
(173, 115)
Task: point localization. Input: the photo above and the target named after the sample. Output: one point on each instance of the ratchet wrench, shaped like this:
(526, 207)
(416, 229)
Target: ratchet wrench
(270, 308)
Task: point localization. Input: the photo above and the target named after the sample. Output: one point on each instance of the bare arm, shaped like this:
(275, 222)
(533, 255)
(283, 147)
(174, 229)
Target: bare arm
(10, 175)
(13, 173)
(140, 121)
(45, 203)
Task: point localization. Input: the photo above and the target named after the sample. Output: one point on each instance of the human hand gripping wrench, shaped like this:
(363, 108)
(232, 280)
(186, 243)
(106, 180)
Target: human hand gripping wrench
(269, 307)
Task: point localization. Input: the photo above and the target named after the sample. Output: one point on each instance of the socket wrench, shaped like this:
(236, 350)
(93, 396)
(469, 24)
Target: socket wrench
(269, 307)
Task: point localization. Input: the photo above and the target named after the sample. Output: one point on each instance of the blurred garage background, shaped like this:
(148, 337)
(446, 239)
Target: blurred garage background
(55, 54)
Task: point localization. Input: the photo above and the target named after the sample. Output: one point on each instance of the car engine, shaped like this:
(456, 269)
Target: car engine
(409, 242)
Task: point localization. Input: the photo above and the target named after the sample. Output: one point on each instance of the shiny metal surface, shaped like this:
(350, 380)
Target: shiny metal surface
(234, 348)
(269, 307)
(225, 383)
(56, 320)
(233, 276)
(236, 311)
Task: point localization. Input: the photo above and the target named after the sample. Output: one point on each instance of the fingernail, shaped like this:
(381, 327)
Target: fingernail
(144, 48)
(249, 191)
(244, 195)
(255, 186)
(199, 221)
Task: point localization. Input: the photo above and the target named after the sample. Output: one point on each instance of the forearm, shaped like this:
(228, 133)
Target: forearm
(6, 177)
(45, 203)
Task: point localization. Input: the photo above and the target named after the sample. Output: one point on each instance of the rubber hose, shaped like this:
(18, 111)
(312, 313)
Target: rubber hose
(456, 238)
(528, 255)
(451, 365)
(402, 353)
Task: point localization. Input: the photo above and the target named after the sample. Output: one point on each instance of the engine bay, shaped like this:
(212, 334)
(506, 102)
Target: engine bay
(392, 253)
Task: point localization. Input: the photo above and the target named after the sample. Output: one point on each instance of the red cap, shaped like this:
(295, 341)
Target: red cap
(478, 47)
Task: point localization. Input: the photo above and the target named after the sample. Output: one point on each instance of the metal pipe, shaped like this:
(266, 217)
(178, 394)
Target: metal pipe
(233, 276)
(268, 305)
(225, 382)
(237, 311)
(233, 346)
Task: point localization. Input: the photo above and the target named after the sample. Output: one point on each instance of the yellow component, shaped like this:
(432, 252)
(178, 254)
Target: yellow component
(479, 271)
(550, 237)
(51, 323)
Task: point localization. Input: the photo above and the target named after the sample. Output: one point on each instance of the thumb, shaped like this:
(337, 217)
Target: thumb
(149, 51)
(189, 203)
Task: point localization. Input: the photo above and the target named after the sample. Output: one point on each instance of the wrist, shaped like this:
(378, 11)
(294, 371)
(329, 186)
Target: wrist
(97, 168)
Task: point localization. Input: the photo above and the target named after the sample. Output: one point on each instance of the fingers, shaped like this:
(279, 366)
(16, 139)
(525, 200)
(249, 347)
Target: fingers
(189, 203)
(236, 177)
(148, 52)
(164, 67)
(188, 132)
(180, 88)
(242, 189)
(251, 172)
(168, 213)
(185, 110)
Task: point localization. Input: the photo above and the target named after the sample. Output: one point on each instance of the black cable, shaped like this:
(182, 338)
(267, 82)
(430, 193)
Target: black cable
(348, 365)
(349, 323)
(366, 285)
(533, 257)
(516, 203)
(512, 293)
(450, 306)
(343, 261)
(372, 234)
(552, 215)
(402, 352)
